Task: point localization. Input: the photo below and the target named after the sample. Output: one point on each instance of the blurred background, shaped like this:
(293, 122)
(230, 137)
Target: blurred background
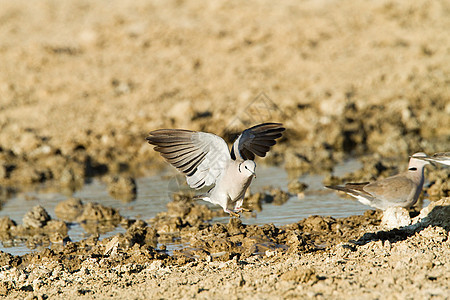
(83, 82)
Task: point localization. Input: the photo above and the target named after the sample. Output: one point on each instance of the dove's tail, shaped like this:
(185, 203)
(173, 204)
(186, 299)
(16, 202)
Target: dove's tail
(204, 197)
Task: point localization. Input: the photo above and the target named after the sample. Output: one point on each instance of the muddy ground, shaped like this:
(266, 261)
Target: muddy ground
(83, 82)
(318, 257)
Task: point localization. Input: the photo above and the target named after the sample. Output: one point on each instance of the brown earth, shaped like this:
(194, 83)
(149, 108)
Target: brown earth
(83, 82)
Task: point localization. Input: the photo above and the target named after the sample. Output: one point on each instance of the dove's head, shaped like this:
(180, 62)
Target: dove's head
(248, 167)
(418, 161)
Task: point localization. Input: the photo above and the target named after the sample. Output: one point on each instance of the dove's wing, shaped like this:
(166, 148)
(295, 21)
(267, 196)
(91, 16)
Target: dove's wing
(256, 140)
(201, 156)
(441, 154)
(395, 189)
(443, 158)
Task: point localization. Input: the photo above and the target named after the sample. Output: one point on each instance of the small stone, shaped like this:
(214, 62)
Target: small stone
(111, 247)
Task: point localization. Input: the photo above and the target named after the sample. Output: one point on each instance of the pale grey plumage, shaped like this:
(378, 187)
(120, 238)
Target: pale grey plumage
(205, 159)
(401, 190)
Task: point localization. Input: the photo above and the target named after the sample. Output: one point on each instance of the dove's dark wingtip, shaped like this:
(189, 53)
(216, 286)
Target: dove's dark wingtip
(332, 187)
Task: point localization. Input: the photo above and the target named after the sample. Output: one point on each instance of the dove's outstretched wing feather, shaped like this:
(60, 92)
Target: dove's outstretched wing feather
(201, 156)
(256, 140)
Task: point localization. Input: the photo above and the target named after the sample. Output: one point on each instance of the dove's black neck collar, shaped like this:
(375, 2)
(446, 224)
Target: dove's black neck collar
(233, 156)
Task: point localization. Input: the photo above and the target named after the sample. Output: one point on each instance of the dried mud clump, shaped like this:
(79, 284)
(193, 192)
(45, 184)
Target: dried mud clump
(327, 231)
(122, 187)
(256, 200)
(99, 213)
(279, 196)
(97, 218)
(374, 168)
(6, 224)
(140, 233)
(223, 242)
(297, 187)
(273, 196)
(38, 229)
(437, 213)
(439, 185)
(93, 217)
(182, 213)
(36, 218)
(69, 210)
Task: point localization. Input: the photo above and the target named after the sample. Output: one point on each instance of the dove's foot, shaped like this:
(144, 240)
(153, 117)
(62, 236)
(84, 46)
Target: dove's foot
(241, 209)
(233, 214)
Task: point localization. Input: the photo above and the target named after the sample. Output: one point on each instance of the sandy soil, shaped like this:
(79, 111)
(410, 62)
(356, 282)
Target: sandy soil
(83, 82)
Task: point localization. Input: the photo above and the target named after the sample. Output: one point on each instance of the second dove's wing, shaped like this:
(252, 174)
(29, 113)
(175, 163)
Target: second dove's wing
(395, 189)
(256, 140)
(201, 156)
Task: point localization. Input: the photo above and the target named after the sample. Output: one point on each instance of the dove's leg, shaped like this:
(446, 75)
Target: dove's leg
(228, 208)
(238, 206)
(233, 214)
(245, 209)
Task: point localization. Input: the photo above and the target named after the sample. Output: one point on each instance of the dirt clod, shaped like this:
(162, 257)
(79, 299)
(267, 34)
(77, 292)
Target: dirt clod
(36, 218)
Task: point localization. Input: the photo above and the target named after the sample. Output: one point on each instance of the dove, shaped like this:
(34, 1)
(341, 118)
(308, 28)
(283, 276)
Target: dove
(401, 190)
(206, 160)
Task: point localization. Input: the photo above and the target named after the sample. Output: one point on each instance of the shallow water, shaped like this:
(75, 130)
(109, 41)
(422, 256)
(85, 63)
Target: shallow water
(154, 193)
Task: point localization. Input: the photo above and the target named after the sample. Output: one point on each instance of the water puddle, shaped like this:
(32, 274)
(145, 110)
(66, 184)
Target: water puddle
(154, 194)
